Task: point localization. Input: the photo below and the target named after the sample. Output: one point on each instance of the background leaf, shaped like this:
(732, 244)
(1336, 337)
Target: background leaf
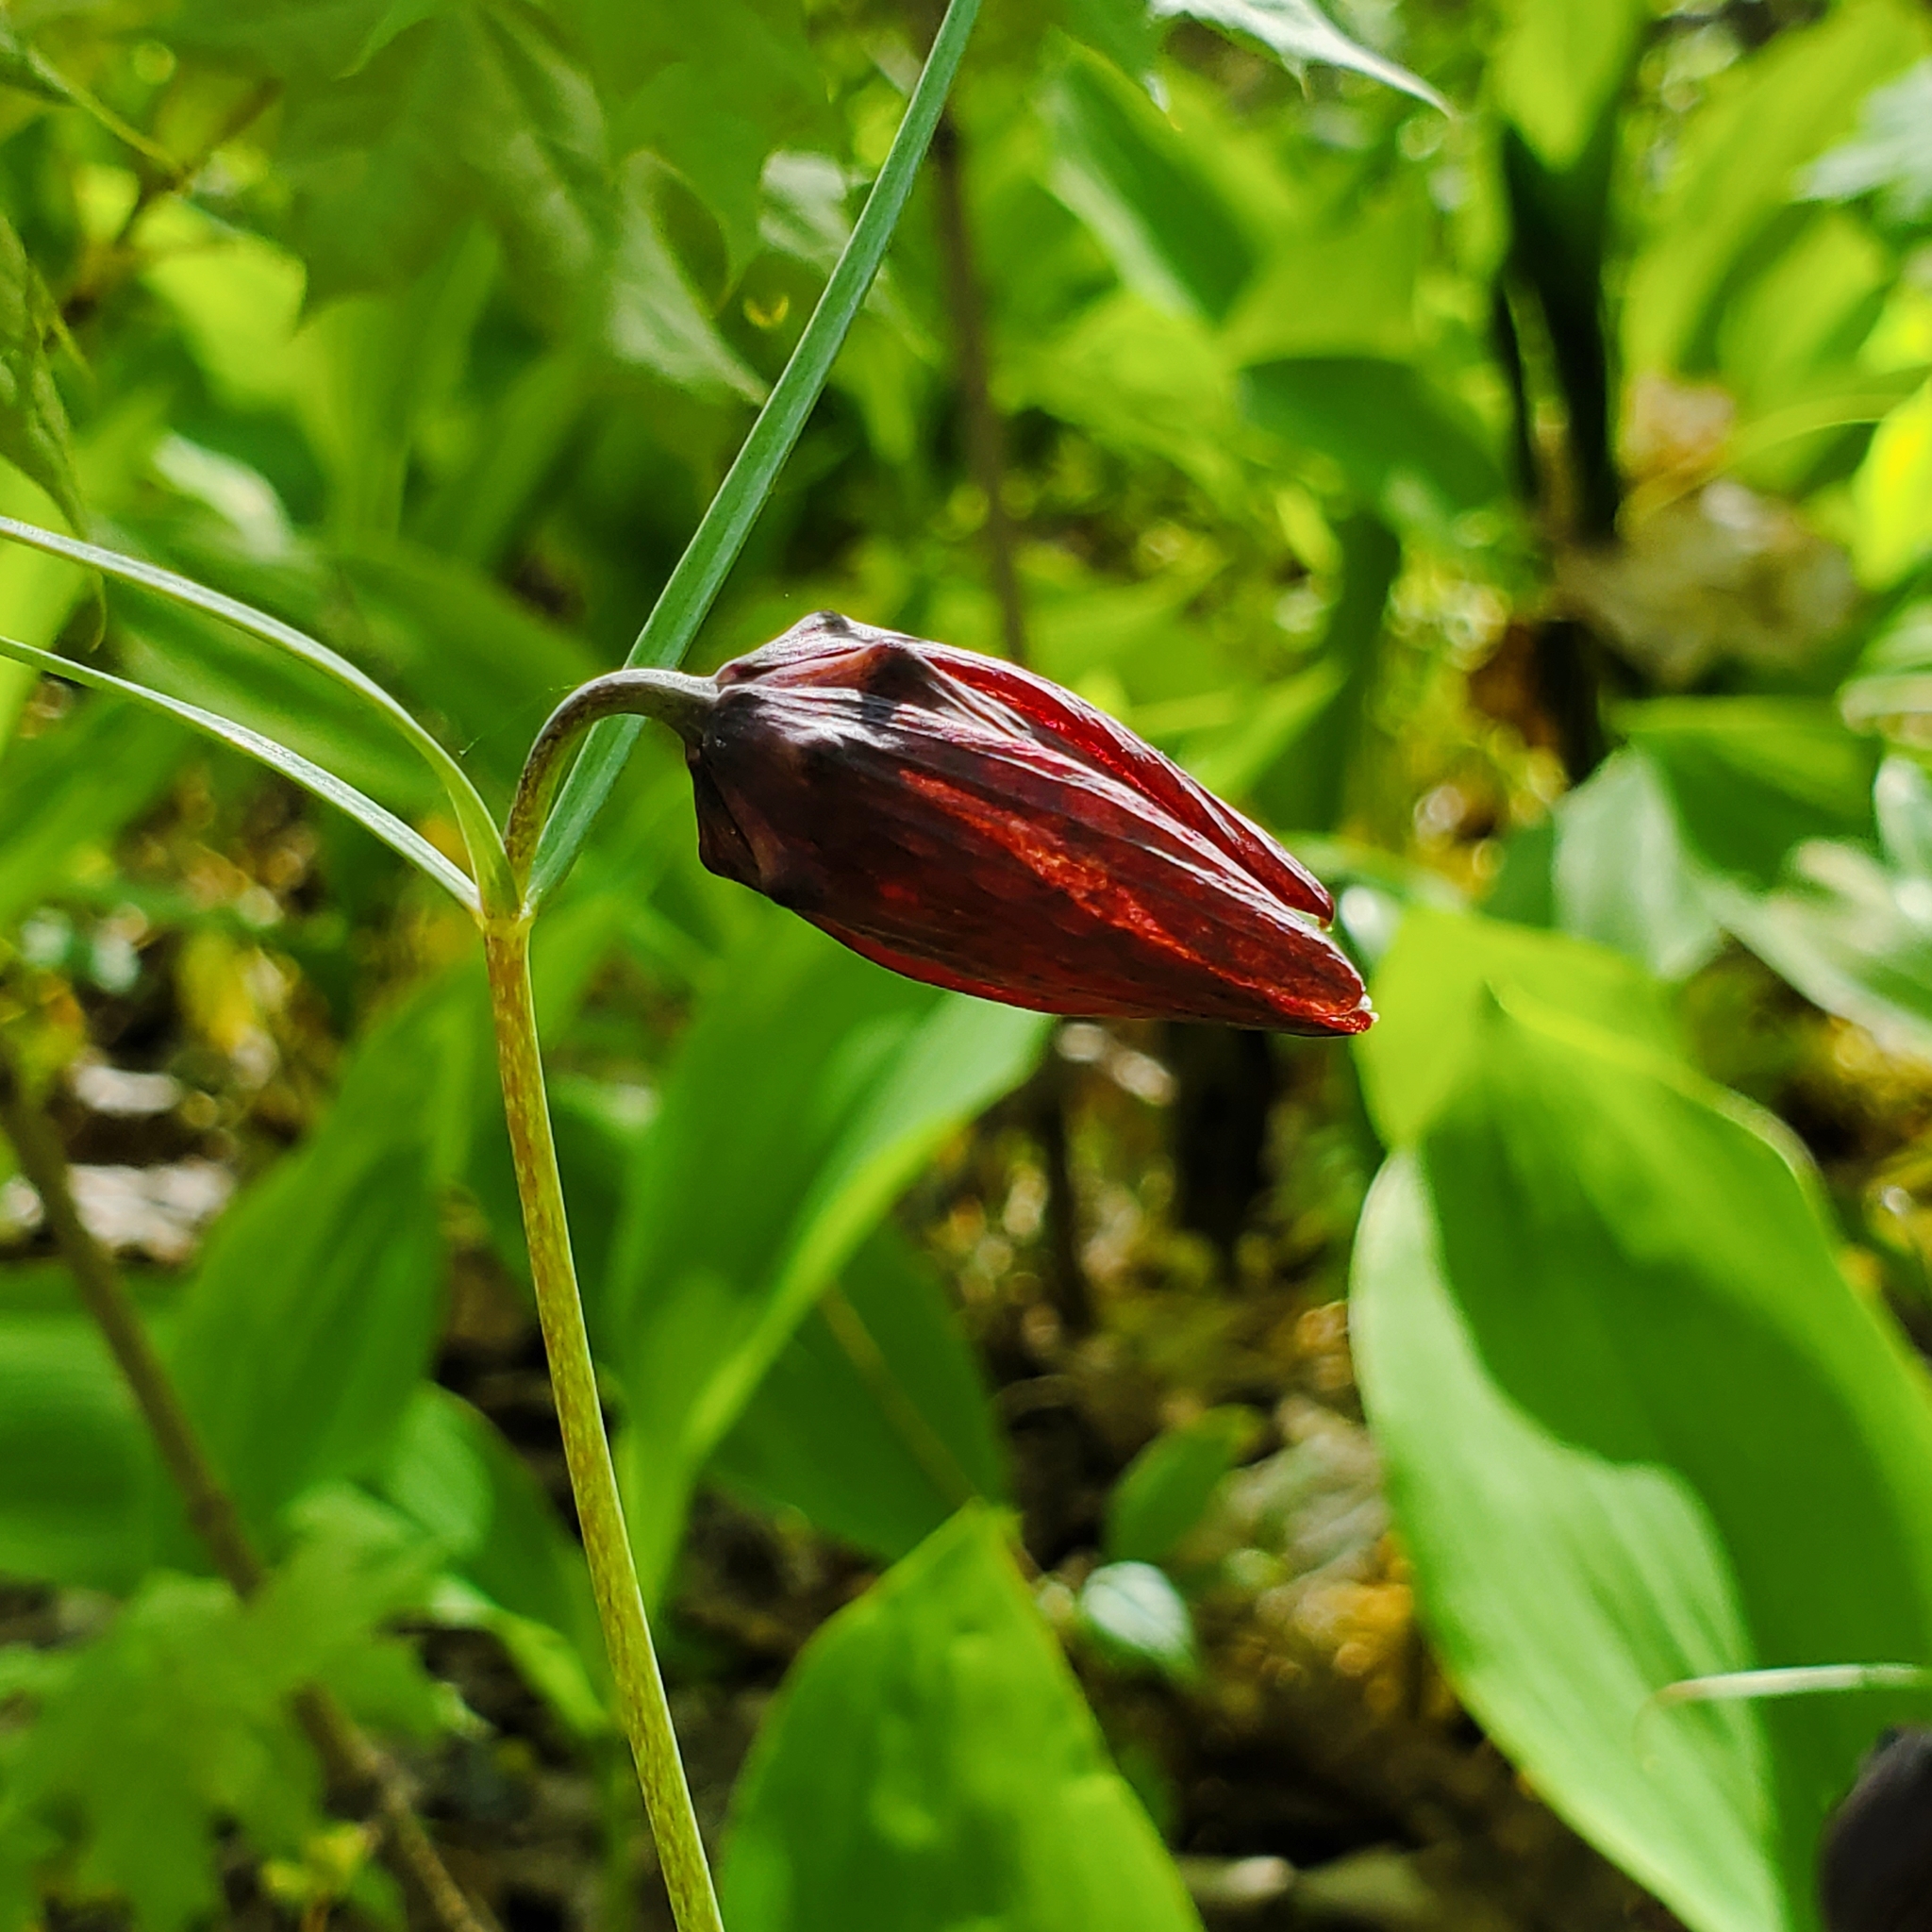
(930, 1765)
(802, 1103)
(1584, 1246)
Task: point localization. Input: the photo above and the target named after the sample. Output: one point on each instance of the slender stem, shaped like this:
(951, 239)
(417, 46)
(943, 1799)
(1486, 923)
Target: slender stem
(641, 1706)
(355, 1768)
(983, 431)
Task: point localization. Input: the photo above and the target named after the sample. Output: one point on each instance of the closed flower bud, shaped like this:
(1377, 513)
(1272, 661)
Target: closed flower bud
(965, 823)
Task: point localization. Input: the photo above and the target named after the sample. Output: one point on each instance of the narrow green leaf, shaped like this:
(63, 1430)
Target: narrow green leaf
(708, 559)
(478, 828)
(401, 839)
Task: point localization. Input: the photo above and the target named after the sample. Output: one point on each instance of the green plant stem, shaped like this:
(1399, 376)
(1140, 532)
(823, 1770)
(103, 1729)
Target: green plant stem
(982, 430)
(642, 1707)
(356, 1769)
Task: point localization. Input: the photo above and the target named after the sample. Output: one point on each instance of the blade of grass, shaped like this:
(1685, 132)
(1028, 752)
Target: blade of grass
(478, 828)
(706, 561)
(374, 818)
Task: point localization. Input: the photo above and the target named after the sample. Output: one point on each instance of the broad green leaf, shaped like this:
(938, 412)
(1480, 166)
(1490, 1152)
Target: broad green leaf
(1741, 162)
(1138, 1620)
(511, 1567)
(653, 316)
(874, 1420)
(174, 1723)
(931, 1766)
(78, 1483)
(1120, 166)
(1751, 779)
(804, 1098)
(1762, 819)
(714, 90)
(33, 423)
(1411, 453)
(1366, 259)
(399, 126)
(1639, 1429)
(1138, 378)
(384, 825)
(1299, 33)
(71, 789)
(1438, 979)
(1893, 494)
(1165, 1490)
(480, 832)
(311, 1317)
(1891, 154)
(1623, 875)
(453, 1475)
(708, 558)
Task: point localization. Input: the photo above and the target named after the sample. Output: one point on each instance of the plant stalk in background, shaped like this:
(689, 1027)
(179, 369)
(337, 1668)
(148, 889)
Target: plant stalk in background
(358, 1772)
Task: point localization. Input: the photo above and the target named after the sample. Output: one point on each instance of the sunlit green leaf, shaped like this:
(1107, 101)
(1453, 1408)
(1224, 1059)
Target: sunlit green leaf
(1299, 32)
(1734, 176)
(1125, 172)
(1893, 493)
(931, 1762)
(1892, 152)
(1587, 1246)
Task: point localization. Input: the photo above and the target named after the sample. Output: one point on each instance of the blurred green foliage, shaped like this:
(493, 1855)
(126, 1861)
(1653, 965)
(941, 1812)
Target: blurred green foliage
(1529, 507)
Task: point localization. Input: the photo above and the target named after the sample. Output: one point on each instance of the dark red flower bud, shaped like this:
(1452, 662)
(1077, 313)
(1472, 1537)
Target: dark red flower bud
(969, 824)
